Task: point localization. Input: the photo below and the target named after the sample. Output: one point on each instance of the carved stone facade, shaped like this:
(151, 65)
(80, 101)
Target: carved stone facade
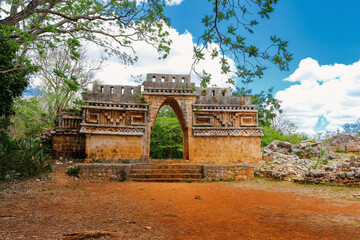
(68, 142)
(219, 128)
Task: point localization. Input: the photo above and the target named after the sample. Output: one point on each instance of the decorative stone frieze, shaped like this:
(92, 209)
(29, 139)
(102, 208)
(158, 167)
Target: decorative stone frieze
(117, 121)
(199, 131)
(113, 130)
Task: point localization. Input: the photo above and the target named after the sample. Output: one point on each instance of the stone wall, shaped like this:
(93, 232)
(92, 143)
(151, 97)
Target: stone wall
(346, 142)
(234, 172)
(121, 172)
(228, 149)
(67, 142)
(104, 172)
(68, 146)
(113, 147)
(347, 173)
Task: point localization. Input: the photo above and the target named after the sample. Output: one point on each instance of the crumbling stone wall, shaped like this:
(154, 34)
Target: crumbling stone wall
(69, 146)
(347, 173)
(67, 141)
(346, 142)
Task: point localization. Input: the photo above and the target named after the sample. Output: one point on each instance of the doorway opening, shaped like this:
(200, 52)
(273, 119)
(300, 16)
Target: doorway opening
(166, 140)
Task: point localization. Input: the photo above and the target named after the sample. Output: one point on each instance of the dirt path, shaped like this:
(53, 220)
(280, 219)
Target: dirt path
(129, 210)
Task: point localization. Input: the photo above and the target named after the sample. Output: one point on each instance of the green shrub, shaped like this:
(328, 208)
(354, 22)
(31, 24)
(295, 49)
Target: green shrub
(298, 152)
(25, 158)
(73, 171)
(270, 134)
(341, 151)
(324, 161)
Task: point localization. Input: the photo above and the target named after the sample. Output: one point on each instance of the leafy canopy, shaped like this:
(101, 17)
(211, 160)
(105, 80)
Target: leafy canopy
(44, 23)
(228, 26)
(13, 83)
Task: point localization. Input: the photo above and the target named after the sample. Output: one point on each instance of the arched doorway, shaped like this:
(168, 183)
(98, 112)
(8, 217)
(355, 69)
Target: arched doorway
(173, 105)
(166, 138)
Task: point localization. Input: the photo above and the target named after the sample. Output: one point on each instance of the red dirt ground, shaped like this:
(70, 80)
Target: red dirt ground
(51, 208)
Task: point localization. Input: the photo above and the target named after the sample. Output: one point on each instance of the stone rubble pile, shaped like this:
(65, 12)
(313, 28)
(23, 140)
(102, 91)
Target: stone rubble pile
(308, 162)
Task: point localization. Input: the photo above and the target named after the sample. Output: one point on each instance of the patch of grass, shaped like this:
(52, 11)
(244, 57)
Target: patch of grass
(73, 188)
(298, 153)
(324, 161)
(73, 171)
(341, 151)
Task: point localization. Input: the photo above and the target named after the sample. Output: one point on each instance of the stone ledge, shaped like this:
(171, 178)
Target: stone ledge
(121, 172)
(233, 172)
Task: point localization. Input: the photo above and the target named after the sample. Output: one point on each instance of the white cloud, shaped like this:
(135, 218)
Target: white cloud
(179, 61)
(332, 91)
(174, 2)
(168, 2)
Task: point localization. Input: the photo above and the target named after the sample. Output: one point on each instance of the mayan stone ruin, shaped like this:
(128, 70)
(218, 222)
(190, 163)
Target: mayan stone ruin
(117, 120)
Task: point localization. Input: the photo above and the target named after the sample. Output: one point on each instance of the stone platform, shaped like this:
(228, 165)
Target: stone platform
(169, 171)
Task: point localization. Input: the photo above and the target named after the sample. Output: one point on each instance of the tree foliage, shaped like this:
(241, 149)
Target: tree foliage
(13, 83)
(31, 117)
(166, 140)
(226, 30)
(62, 78)
(45, 23)
(352, 127)
(283, 125)
(271, 134)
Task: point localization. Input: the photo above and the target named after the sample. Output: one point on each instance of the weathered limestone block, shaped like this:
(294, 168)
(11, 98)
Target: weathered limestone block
(346, 142)
(104, 172)
(113, 147)
(226, 149)
(68, 146)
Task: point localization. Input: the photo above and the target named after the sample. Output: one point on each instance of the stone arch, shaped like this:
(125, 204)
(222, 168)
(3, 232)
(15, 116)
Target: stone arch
(117, 121)
(155, 104)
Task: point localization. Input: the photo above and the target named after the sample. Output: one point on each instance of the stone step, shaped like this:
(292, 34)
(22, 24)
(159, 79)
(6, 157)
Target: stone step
(166, 172)
(168, 161)
(167, 175)
(165, 166)
(165, 179)
(157, 171)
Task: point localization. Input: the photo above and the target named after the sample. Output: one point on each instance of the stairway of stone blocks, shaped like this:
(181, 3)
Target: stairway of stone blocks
(173, 172)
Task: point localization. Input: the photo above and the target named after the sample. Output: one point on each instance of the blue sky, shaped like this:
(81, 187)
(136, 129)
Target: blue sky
(325, 30)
